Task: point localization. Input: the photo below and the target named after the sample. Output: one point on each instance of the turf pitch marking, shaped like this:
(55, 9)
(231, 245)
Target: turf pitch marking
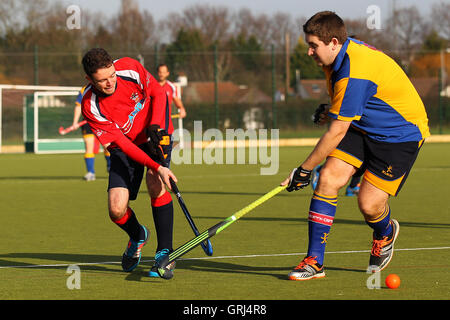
(218, 257)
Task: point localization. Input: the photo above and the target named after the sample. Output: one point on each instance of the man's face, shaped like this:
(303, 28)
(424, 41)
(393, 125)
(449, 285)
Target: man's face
(323, 54)
(163, 73)
(104, 80)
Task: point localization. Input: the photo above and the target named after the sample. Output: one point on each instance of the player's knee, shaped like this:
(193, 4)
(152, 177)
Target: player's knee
(329, 181)
(370, 209)
(117, 212)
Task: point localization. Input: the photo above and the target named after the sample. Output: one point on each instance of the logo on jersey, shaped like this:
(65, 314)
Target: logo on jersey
(137, 107)
(135, 97)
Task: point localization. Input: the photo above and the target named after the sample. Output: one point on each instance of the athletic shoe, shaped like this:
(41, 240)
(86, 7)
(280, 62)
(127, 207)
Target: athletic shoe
(169, 269)
(349, 192)
(307, 269)
(90, 176)
(383, 249)
(132, 254)
(315, 176)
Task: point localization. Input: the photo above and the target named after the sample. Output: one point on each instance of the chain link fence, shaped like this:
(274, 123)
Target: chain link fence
(224, 89)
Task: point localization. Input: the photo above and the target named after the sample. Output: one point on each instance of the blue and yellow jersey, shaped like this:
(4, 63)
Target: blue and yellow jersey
(370, 89)
(80, 96)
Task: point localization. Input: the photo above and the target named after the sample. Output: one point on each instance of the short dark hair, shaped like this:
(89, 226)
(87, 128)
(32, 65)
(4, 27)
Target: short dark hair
(326, 25)
(162, 65)
(95, 59)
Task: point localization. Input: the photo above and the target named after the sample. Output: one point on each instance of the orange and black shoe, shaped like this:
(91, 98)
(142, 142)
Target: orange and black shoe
(307, 269)
(383, 249)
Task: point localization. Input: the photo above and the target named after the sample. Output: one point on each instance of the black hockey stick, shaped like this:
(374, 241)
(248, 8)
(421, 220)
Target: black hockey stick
(206, 245)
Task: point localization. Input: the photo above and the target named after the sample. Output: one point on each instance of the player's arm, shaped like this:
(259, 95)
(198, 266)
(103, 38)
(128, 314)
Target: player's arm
(76, 115)
(327, 143)
(180, 106)
(301, 176)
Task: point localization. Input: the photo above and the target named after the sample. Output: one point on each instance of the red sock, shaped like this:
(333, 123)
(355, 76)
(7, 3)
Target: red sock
(130, 225)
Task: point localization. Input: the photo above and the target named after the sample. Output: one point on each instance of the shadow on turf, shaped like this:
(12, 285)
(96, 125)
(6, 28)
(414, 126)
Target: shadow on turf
(61, 260)
(336, 221)
(141, 272)
(231, 268)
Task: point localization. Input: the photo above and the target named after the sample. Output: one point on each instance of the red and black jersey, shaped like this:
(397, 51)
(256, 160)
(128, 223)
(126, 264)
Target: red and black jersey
(137, 102)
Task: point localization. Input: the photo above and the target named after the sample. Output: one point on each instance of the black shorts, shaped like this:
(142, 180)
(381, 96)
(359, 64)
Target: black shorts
(86, 129)
(127, 173)
(385, 165)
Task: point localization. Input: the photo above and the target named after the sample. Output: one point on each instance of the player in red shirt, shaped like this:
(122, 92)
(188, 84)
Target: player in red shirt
(124, 105)
(170, 89)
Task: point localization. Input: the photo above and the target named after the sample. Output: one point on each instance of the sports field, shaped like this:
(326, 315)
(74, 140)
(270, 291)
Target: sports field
(51, 219)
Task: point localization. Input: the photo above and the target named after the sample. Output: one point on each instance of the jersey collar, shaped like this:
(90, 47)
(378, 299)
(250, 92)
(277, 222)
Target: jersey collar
(340, 57)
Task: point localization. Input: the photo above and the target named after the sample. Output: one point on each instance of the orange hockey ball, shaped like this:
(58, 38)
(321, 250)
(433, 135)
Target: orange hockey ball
(392, 281)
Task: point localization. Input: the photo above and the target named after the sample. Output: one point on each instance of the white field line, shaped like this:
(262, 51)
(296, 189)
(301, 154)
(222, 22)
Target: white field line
(218, 257)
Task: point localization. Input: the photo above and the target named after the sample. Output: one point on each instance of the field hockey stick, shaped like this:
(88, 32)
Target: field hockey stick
(175, 116)
(206, 245)
(63, 131)
(188, 246)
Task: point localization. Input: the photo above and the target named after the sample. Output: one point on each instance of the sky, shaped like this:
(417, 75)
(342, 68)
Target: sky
(297, 8)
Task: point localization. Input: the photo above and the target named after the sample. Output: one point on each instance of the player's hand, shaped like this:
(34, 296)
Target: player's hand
(75, 125)
(320, 116)
(182, 113)
(165, 175)
(298, 179)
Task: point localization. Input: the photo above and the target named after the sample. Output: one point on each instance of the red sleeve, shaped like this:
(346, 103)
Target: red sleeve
(135, 153)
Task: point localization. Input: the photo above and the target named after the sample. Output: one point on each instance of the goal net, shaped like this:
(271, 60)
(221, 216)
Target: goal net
(44, 113)
(17, 123)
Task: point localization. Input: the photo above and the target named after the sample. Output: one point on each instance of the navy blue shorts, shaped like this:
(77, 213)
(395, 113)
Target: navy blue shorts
(86, 129)
(127, 173)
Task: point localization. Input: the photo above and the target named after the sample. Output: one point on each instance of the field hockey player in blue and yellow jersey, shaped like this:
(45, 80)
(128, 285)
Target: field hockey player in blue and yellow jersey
(91, 143)
(378, 124)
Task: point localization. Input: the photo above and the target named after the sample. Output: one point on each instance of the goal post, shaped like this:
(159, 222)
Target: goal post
(12, 117)
(51, 109)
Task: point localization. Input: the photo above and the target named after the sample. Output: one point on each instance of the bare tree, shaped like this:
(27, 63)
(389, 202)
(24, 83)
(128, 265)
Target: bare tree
(133, 29)
(440, 17)
(213, 22)
(408, 29)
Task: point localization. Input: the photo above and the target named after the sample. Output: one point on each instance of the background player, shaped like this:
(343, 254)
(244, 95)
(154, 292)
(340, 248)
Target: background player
(91, 144)
(125, 107)
(378, 120)
(170, 89)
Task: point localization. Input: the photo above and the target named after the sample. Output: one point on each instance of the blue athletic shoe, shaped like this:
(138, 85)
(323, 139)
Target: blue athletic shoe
(315, 176)
(349, 192)
(169, 269)
(132, 254)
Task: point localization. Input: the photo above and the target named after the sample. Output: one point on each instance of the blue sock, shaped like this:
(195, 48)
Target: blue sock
(89, 159)
(321, 215)
(381, 225)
